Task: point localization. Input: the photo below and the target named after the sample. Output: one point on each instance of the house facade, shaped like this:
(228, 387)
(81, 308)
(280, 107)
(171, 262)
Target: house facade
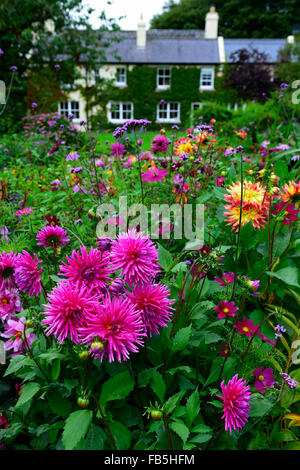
(165, 75)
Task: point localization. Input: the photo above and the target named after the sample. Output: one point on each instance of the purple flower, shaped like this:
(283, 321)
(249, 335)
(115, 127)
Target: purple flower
(13, 68)
(291, 383)
(264, 379)
(15, 333)
(1, 51)
(72, 156)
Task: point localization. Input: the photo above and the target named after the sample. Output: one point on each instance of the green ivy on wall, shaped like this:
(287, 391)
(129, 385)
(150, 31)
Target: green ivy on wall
(141, 91)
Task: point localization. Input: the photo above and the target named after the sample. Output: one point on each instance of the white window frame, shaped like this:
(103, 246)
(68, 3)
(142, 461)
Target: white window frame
(122, 83)
(206, 71)
(70, 107)
(167, 108)
(121, 110)
(199, 106)
(164, 76)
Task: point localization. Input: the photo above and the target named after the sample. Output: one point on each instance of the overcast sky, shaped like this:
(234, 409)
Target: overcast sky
(132, 9)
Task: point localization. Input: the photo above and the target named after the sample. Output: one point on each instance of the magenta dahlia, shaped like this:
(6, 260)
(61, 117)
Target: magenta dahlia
(7, 269)
(9, 303)
(90, 269)
(52, 236)
(28, 273)
(69, 304)
(118, 325)
(154, 305)
(136, 256)
(236, 397)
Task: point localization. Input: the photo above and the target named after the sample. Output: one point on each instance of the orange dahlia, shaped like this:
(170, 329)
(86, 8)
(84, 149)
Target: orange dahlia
(184, 145)
(255, 205)
(291, 193)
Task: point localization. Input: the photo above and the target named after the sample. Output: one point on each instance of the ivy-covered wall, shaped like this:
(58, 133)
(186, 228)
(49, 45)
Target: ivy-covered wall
(185, 83)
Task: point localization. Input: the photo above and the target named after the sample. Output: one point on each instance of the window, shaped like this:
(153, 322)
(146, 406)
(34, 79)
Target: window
(207, 79)
(118, 112)
(69, 107)
(96, 76)
(120, 76)
(196, 106)
(163, 78)
(168, 112)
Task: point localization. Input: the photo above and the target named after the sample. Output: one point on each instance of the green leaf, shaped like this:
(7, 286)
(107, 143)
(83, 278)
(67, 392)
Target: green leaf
(192, 407)
(28, 391)
(172, 402)
(16, 363)
(55, 369)
(181, 430)
(121, 435)
(181, 339)
(202, 428)
(158, 385)
(200, 438)
(165, 257)
(117, 387)
(260, 406)
(95, 438)
(58, 404)
(287, 275)
(211, 337)
(76, 428)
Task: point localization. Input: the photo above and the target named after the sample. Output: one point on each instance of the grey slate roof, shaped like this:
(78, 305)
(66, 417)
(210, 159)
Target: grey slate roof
(165, 47)
(270, 47)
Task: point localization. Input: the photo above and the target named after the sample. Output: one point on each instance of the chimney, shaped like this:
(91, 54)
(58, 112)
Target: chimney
(141, 34)
(211, 24)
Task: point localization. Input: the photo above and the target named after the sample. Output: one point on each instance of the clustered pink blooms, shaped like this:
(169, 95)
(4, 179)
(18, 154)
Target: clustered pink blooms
(136, 256)
(18, 338)
(117, 149)
(52, 236)
(160, 143)
(7, 269)
(236, 397)
(9, 303)
(28, 273)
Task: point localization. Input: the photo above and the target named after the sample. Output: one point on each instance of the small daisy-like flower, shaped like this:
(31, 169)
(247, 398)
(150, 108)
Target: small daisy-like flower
(7, 269)
(14, 332)
(72, 156)
(23, 212)
(52, 236)
(153, 303)
(291, 193)
(225, 351)
(227, 278)
(118, 325)
(236, 397)
(264, 379)
(246, 327)
(136, 256)
(90, 269)
(226, 309)
(9, 303)
(67, 310)
(28, 274)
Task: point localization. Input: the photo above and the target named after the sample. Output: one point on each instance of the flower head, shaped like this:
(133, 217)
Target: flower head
(9, 303)
(246, 327)
(23, 212)
(69, 304)
(28, 273)
(154, 175)
(154, 305)
(118, 149)
(160, 143)
(7, 269)
(118, 325)
(226, 309)
(136, 256)
(89, 268)
(227, 278)
(264, 378)
(15, 332)
(236, 397)
(52, 236)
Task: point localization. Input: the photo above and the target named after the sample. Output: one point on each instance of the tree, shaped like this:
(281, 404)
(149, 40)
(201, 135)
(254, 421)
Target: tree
(51, 44)
(249, 74)
(237, 18)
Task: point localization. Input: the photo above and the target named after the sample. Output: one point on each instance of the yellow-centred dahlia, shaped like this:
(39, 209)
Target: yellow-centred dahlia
(255, 205)
(291, 193)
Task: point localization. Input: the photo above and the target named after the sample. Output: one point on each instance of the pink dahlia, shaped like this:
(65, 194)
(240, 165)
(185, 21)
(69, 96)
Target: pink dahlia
(69, 305)
(226, 309)
(118, 149)
(227, 278)
(136, 256)
(16, 333)
(160, 143)
(28, 274)
(119, 325)
(9, 303)
(90, 269)
(154, 305)
(7, 269)
(154, 175)
(264, 378)
(52, 236)
(236, 397)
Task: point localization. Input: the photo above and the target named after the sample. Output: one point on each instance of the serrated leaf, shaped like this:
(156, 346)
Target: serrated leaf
(181, 430)
(260, 406)
(172, 402)
(121, 435)
(117, 387)
(16, 363)
(287, 275)
(76, 427)
(202, 428)
(158, 385)
(181, 339)
(164, 256)
(200, 438)
(28, 391)
(211, 337)
(192, 407)
(58, 404)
